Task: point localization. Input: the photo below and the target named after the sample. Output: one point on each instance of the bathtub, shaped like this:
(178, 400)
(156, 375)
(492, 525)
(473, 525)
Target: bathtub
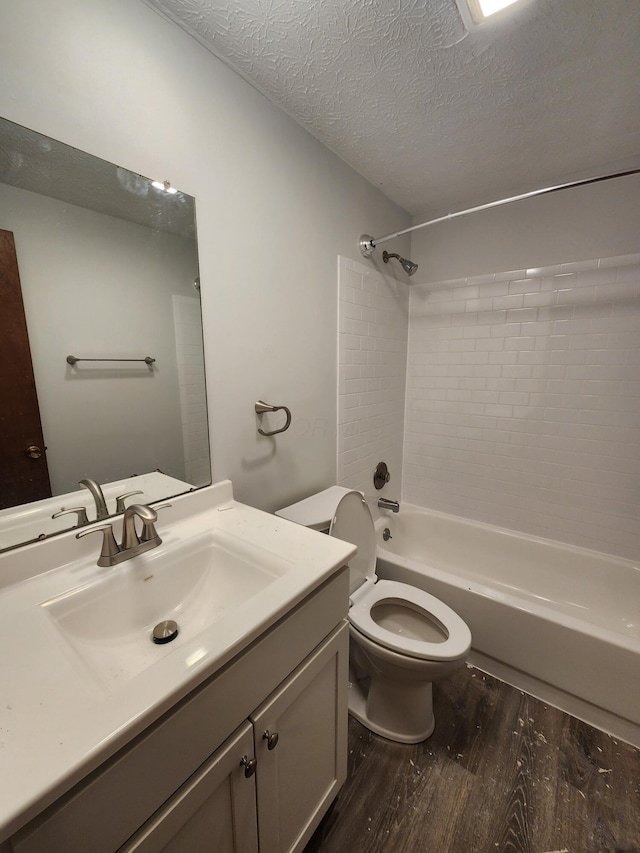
(558, 621)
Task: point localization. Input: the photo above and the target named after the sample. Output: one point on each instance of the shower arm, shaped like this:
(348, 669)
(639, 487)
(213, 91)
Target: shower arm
(368, 244)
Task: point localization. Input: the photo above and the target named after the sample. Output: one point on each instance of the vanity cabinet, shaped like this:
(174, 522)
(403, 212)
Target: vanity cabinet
(299, 776)
(248, 763)
(294, 764)
(215, 810)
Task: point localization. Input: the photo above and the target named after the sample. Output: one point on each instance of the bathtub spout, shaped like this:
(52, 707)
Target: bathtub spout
(385, 503)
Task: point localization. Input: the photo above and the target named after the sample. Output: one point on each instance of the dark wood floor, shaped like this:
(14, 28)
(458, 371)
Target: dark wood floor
(502, 772)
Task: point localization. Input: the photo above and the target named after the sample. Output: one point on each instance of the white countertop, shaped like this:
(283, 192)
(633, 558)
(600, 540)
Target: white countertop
(58, 719)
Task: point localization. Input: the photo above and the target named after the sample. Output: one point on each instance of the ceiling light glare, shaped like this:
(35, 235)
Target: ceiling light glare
(490, 7)
(476, 12)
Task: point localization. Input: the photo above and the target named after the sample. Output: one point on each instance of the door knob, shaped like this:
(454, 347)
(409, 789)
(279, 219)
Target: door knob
(33, 451)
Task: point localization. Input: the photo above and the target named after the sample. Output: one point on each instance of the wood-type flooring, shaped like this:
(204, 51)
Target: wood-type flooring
(502, 773)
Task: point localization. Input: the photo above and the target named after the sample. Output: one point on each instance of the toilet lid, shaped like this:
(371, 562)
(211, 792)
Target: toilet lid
(455, 646)
(352, 523)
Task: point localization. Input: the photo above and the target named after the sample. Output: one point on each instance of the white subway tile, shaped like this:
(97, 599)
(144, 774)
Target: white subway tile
(522, 315)
(484, 303)
(543, 298)
(505, 330)
(483, 280)
(539, 272)
(619, 261)
(466, 292)
(576, 295)
(525, 285)
(510, 301)
(497, 288)
(593, 277)
(579, 266)
(554, 399)
(510, 275)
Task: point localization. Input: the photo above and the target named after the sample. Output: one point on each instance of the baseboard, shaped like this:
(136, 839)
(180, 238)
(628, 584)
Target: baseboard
(614, 725)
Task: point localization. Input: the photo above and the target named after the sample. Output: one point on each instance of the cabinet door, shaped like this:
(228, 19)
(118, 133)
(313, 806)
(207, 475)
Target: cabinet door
(213, 812)
(305, 723)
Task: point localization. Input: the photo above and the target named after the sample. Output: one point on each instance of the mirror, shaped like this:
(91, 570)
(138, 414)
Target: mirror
(101, 360)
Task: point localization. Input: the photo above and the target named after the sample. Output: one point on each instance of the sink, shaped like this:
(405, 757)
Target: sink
(109, 621)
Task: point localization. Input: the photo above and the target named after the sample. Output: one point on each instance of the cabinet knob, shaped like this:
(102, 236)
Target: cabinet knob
(249, 765)
(33, 451)
(271, 739)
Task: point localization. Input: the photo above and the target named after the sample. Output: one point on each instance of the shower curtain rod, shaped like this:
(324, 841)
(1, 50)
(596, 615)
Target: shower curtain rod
(368, 244)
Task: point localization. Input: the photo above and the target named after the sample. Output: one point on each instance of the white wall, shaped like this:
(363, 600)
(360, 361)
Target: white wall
(523, 397)
(373, 314)
(95, 286)
(274, 210)
(595, 221)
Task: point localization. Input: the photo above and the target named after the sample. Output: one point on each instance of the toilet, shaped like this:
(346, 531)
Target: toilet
(401, 638)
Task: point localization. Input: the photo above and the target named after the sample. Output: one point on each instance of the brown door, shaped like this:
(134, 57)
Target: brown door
(24, 476)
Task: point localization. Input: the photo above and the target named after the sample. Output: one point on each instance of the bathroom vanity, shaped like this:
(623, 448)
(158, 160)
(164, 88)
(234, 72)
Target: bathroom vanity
(234, 740)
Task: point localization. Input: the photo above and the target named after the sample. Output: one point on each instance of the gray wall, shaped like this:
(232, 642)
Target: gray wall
(274, 210)
(599, 220)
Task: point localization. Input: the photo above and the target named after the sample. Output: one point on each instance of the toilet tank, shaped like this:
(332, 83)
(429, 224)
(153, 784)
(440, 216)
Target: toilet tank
(318, 511)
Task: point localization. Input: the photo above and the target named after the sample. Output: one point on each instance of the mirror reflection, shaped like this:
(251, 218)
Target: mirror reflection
(101, 357)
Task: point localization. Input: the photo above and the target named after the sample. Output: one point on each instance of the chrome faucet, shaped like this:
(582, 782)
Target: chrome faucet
(385, 503)
(98, 497)
(111, 553)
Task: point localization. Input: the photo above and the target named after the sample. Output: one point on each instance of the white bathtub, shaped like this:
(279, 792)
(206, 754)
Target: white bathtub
(564, 618)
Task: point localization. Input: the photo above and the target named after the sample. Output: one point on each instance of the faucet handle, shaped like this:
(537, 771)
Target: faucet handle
(149, 532)
(120, 505)
(109, 545)
(81, 512)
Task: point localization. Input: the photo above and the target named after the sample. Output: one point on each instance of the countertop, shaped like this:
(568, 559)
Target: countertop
(58, 719)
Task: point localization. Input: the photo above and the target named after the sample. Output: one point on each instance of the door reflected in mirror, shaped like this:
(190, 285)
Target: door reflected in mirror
(97, 263)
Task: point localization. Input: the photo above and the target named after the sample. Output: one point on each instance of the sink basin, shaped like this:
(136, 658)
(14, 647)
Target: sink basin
(109, 622)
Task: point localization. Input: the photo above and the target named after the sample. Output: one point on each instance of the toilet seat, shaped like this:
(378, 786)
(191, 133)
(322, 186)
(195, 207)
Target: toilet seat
(456, 645)
(352, 522)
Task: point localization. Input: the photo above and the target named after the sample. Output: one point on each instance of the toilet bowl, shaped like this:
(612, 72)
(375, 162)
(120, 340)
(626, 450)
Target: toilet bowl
(401, 638)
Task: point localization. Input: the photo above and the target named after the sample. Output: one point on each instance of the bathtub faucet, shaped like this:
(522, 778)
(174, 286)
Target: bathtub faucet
(385, 503)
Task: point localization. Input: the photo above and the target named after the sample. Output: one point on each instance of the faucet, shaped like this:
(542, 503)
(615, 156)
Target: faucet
(149, 536)
(96, 491)
(111, 553)
(385, 503)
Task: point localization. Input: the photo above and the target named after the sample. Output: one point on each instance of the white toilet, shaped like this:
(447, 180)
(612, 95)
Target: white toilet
(402, 638)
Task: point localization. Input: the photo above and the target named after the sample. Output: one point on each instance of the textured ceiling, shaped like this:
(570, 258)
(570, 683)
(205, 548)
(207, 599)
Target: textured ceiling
(438, 116)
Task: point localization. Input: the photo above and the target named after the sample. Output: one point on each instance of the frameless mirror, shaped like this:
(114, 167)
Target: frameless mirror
(101, 356)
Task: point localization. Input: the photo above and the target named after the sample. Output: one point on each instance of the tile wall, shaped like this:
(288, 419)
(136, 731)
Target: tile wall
(372, 357)
(523, 401)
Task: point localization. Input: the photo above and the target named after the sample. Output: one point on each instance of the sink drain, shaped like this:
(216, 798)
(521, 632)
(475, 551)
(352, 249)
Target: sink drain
(165, 631)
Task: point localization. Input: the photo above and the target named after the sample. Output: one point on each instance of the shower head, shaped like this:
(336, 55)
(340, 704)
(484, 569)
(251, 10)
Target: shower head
(408, 266)
(368, 244)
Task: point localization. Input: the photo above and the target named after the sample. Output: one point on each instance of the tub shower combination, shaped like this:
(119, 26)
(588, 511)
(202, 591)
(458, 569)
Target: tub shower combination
(560, 621)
